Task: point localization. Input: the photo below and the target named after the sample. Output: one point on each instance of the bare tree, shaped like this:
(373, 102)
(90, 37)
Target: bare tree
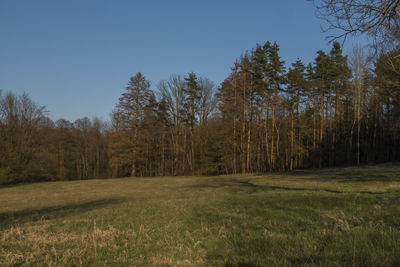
(208, 101)
(171, 92)
(379, 19)
(20, 120)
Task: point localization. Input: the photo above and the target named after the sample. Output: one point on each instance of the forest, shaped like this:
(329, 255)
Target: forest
(279, 163)
(338, 110)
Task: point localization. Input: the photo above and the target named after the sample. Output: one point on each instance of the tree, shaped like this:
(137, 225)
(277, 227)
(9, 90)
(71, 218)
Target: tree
(379, 19)
(171, 93)
(128, 118)
(228, 99)
(20, 141)
(388, 102)
(192, 107)
(296, 84)
(358, 64)
(207, 100)
(264, 96)
(206, 109)
(275, 74)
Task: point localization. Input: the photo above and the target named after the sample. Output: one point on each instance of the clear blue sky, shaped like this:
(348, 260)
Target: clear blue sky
(76, 56)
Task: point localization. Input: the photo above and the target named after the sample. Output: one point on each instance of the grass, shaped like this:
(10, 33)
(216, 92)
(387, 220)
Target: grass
(329, 217)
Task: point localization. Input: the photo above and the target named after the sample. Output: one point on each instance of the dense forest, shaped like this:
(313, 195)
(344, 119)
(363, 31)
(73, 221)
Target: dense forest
(265, 116)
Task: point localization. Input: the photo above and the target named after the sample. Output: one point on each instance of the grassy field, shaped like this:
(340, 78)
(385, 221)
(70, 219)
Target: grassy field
(330, 217)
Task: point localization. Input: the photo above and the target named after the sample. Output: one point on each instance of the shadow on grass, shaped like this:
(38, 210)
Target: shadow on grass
(240, 264)
(363, 173)
(8, 219)
(236, 185)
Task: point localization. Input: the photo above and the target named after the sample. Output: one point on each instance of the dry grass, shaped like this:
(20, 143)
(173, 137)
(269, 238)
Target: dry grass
(341, 216)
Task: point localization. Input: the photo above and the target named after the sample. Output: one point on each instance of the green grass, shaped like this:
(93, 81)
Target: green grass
(330, 217)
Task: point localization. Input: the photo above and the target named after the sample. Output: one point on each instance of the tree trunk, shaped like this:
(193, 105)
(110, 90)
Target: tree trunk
(192, 150)
(249, 132)
(267, 159)
(242, 145)
(321, 132)
(234, 129)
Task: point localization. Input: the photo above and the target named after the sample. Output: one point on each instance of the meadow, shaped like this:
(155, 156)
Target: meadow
(330, 217)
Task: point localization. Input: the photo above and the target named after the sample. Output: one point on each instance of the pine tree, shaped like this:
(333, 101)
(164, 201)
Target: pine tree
(275, 74)
(192, 103)
(296, 84)
(128, 118)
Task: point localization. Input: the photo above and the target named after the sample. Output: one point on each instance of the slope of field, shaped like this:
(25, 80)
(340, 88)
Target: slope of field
(341, 216)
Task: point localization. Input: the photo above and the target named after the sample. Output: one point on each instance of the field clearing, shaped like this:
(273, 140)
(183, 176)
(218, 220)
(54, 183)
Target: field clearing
(340, 216)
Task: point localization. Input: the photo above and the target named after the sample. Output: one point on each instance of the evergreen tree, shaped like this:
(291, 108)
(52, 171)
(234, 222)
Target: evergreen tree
(296, 84)
(192, 102)
(128, 118)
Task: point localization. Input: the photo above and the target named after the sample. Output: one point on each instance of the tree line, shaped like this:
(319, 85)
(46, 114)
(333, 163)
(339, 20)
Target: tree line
(337, 110)
(333, 112)
(34, 148)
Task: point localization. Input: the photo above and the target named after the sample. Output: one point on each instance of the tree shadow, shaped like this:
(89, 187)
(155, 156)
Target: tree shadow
(236, 185)
(357, 177)
(10, 218)
(240, 264)
(240, 185)
(362, 173)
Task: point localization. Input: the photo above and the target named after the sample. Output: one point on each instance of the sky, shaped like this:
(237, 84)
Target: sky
(75, 57)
